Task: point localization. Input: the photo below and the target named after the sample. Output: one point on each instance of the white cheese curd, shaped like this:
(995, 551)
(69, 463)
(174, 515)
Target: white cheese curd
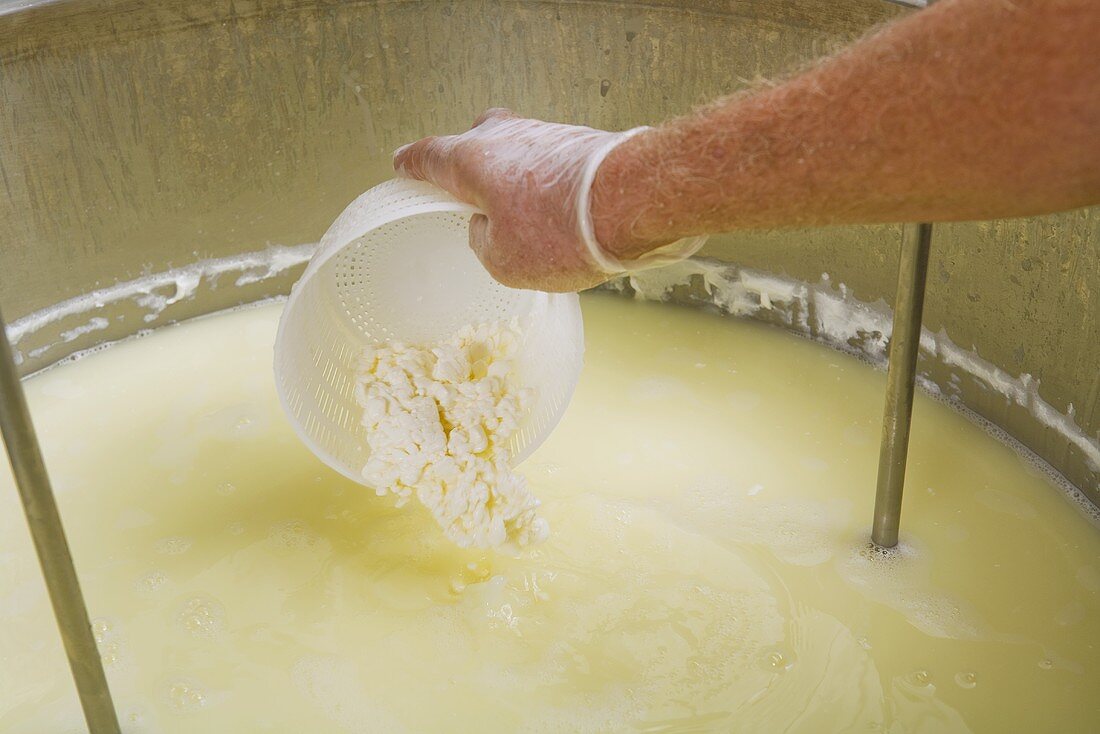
(438, 422)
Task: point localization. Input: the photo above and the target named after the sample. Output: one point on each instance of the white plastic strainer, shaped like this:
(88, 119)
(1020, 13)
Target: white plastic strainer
(396, 266)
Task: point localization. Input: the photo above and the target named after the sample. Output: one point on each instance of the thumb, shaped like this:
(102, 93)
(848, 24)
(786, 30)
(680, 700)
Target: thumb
(480, 236)
(481, 242)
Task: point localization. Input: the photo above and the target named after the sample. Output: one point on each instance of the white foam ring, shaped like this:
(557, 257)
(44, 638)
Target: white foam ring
(833, 316)
(154, 293)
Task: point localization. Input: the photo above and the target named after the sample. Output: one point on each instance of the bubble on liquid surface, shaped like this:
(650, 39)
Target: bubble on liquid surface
(899, 578)
(966, 679)
(152, 581)
(100, 628)
(201, 616)
(546, 468)
(109, 653)
(173, 546)
(777, 661)
(185, 696)
(234, 423)
(225, 489)
(293, 534)
(107, 641)
(920, 678)
(137, 720)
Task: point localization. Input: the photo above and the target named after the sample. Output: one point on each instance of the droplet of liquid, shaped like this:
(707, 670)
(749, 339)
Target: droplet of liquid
(966, 679)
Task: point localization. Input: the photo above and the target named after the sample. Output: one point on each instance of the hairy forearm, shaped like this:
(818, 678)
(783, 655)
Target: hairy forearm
(970, 109)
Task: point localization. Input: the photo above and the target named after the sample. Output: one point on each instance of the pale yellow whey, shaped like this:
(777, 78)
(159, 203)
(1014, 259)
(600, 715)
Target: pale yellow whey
(710, 490)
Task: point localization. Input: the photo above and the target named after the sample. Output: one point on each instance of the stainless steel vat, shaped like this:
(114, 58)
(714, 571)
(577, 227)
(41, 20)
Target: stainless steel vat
(140, 136)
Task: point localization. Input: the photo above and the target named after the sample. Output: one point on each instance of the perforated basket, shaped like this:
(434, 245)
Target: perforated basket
(396, 266)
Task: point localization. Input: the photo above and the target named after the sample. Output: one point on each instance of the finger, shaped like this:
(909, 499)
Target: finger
(436, 161)
(411, 161)
(494, 114)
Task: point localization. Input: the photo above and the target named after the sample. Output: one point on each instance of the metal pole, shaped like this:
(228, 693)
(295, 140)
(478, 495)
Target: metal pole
(900, 379)
(53, 549)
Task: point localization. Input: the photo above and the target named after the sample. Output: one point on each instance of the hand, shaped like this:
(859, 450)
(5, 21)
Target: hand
(533, 180)
(526, 175)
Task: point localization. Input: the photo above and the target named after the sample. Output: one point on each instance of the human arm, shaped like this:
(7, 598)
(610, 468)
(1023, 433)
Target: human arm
(970, 109)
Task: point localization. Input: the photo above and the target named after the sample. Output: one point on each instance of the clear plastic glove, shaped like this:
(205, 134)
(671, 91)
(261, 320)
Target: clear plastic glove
(533, 180)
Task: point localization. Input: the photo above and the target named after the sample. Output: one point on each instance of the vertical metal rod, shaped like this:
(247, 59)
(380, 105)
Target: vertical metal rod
(900, 379)
(52, 547)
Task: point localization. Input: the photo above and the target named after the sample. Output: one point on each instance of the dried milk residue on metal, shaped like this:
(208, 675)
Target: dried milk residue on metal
(438, 420)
